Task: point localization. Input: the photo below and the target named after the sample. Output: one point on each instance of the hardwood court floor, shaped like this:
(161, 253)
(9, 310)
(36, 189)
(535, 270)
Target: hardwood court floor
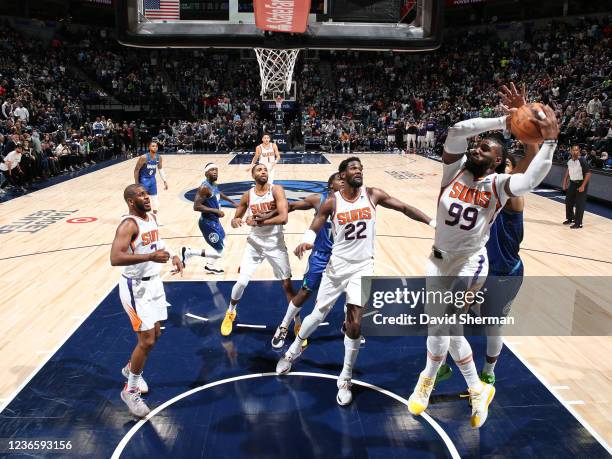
(54, 274)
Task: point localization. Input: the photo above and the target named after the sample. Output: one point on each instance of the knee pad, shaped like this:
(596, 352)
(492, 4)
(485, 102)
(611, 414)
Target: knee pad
(238, 288)
(438, 345)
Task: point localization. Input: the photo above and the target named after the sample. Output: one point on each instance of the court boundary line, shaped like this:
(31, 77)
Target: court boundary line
(565, 405)
(450, 446)
(55, 350)
(65, 249)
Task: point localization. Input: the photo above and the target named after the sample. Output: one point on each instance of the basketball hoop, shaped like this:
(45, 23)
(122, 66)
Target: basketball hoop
(276, 69)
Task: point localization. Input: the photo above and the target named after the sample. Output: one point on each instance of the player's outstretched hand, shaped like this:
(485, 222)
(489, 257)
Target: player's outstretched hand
(160, 256)
(300, 249)
(236, 222)
(547, 122)
(178, 266)
(511, 97)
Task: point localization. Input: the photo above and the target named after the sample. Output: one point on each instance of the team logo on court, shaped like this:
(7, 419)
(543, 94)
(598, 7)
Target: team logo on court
(295, 190)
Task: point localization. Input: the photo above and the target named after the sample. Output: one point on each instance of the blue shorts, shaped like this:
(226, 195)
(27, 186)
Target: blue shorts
(317, 262)
(150, 185)
(501, 290)
(212, 232)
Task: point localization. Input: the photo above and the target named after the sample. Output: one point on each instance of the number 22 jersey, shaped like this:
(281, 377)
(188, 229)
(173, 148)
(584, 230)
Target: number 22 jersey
(354, 227)
(467, 208)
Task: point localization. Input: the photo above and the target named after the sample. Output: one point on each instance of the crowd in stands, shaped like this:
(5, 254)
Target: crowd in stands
(368, 101)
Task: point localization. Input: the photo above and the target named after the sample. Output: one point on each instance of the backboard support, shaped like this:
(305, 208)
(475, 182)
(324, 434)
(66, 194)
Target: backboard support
(423, 33)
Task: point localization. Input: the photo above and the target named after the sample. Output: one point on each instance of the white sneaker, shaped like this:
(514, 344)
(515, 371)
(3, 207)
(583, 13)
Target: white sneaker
(135, 403)
(480, 402)
(278, 340)
(284, 364)
(344, 396)
(143, 387)
(418, 401)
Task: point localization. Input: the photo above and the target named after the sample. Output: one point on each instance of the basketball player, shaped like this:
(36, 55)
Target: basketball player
(471, 196)
(138, 247)
(317, 262)
(207, 201)
(265, 242)
(145, 170)
(267, 154)
(352, 211)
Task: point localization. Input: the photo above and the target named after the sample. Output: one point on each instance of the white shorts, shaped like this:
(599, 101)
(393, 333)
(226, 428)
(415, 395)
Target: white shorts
(411, 140)
(343, 276)
(255, 253)
(144, 301)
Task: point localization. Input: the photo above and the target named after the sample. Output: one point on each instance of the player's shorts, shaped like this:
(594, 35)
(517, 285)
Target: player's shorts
(213, 233)
(342, 276)
(449, 277)
(256, 252)
(500, 290)
(150, 185)
(317, 262)
(144, 301)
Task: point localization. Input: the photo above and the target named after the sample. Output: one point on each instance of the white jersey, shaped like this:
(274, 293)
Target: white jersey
(267, 156)
(147, 241)
(467, 208)
(354, 227)
(260, 205)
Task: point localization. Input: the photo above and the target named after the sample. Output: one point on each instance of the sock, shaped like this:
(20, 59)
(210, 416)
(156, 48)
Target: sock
(232, 307)
(296, 346)
(193, 252)
(494, 347)
(437, 348)
(489, 368)
(292, 311)
(133, 381)
(461, 352)
(351, 351)
(433, 365)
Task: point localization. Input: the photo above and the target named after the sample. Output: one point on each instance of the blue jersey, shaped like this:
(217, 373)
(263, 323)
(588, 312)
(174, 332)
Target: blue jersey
(213, 201)
(323, 241)
(504, 244)
(148, 171)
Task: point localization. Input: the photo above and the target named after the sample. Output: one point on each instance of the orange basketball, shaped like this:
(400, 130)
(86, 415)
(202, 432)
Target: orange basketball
(523, 129)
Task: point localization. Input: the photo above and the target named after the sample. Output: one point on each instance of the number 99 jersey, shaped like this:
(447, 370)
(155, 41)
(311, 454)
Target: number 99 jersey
(467, 208)
(354, 227)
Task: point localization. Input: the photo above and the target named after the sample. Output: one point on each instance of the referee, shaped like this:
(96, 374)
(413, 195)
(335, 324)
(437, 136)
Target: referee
(578, 173)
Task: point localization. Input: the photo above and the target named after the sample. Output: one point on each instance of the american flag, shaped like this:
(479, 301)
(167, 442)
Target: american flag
(162, 9)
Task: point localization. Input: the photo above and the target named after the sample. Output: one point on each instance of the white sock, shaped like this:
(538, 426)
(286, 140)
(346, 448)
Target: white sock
(232, 307)
(433, 365)
(461, 352)
(292, 311)
(133, 381)
(351, 351)
(489, 368)
(296, 346)
(193, 252)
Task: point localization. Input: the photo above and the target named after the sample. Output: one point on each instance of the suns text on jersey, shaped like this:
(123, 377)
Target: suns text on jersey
(354, 215)
(470, 195)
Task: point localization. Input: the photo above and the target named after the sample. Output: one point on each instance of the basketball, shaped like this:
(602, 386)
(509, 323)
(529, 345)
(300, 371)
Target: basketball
(524, 129)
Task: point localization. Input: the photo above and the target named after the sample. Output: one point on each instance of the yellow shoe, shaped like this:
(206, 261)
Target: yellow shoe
(296, 330)
(418, 401)
(228, 322)
(480, 404)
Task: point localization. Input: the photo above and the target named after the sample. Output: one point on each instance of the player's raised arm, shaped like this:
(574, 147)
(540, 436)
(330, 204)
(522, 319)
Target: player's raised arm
(520, 184)
(282, 208)
(125, 234)
(456, 139)
(382, 198)
(326, 210)
(141, 161)
(240, 210)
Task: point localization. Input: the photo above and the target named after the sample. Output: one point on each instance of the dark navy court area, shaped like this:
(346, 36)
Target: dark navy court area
(215, 397)
(287, 157)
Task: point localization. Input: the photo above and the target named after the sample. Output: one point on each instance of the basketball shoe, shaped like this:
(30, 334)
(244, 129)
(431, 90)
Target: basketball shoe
(228, 323)
(419, 399)
(134, 402)
(143, 387)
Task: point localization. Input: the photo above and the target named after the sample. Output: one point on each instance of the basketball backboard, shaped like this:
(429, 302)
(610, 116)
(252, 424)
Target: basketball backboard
(377, 25)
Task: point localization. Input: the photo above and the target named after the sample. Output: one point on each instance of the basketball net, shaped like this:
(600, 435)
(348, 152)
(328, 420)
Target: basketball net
(276, 69)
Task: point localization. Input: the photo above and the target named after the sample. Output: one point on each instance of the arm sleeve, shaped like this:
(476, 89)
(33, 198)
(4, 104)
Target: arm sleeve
(520, 184)
(449, 171)
(456, 140)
